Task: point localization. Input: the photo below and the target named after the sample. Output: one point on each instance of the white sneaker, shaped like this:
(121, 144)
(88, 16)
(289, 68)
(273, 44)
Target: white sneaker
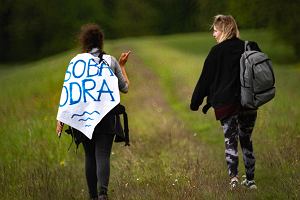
(234, 183)
(249, 184)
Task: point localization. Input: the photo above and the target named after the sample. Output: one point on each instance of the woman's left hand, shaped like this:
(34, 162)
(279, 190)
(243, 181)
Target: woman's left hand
(59, 128)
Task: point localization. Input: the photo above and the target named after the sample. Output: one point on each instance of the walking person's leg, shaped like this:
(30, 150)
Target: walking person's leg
(90, 167)
(246, 121)
(103, 143)
(230, 129)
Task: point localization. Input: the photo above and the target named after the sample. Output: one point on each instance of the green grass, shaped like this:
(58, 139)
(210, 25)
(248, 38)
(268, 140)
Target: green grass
(175, 153)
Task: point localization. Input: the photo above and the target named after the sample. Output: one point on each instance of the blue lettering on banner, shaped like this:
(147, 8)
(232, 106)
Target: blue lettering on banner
(89, 71)
(75, 92)
(83, 70)
(72, 101)
(105, 91)
(67, 94)
(86, 90)
(104, 65)
(68, 74)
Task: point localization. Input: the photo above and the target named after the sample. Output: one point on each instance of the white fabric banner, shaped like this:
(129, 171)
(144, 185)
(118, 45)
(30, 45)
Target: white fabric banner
(89, 92)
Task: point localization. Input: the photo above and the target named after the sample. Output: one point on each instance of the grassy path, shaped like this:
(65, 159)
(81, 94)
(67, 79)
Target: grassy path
(163, 158)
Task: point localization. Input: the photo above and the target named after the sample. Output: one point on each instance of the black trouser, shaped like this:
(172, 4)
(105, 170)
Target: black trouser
(97, 162)
(239, 127)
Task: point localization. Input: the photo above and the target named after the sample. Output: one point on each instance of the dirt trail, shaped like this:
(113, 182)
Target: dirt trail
(163, 151)
(149, 97)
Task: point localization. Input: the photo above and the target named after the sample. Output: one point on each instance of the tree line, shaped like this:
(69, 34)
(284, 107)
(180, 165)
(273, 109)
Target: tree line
(37, 28)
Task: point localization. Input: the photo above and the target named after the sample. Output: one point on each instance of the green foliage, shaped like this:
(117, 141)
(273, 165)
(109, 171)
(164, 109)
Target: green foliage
(177, 16)
(134, 18)
(250, 14)
(208, 9)
(280, 16)
(34, 29)
(285, 21)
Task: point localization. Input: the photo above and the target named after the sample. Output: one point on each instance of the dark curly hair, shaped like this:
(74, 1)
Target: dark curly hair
(91, 36)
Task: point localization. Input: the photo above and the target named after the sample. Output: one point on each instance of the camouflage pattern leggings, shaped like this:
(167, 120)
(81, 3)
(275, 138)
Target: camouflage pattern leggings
(239, 127)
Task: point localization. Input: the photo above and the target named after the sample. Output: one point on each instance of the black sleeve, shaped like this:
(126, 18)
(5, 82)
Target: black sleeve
(202, 87)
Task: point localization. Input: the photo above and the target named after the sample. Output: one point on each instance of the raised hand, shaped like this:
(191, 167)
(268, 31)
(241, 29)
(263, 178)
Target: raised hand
(123, 58)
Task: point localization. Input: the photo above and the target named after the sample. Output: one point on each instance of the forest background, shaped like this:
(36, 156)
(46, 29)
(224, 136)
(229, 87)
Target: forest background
(38, 28)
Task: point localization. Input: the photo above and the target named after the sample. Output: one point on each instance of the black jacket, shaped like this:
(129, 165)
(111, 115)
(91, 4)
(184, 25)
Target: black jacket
(220, 77)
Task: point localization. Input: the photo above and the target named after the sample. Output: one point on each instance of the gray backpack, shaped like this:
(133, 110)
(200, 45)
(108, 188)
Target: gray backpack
(257, 78)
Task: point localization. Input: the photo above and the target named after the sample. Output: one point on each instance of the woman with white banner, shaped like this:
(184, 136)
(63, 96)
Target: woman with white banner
(90, 91)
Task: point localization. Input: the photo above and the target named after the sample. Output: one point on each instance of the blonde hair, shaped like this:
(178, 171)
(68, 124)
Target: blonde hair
(227, 25)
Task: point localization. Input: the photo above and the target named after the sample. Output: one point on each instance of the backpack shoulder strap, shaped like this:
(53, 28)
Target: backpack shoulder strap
(247, 47)
(102, 59)
(100, 56)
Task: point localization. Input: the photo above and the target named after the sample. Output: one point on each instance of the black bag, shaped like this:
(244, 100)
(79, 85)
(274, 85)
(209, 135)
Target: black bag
(122, 135)
(77, 136)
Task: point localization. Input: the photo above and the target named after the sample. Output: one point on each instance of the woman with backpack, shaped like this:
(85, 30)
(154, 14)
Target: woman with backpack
(98, 149)
(220, 83)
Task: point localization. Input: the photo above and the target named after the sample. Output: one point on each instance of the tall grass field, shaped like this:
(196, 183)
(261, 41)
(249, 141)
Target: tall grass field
(174, 153)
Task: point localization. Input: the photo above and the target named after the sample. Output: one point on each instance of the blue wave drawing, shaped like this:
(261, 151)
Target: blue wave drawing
(88, 125)
(85, 112)
(85, 119)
